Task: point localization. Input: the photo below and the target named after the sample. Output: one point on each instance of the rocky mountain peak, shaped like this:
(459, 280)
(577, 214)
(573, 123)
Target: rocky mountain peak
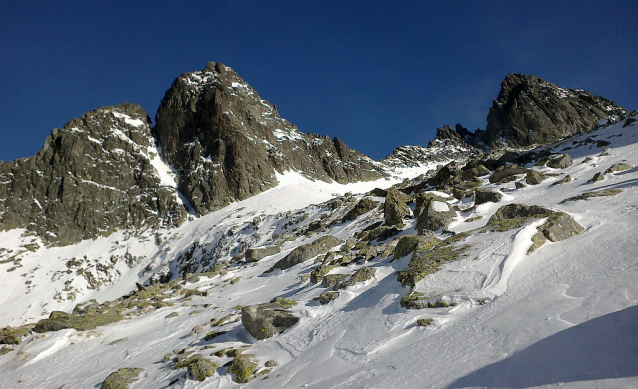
(530, 111)
(226, 143)
(95, 175)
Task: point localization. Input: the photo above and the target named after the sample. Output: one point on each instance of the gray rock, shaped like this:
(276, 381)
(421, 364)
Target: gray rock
(363, 274)
(226, 142)
(597, 177)
(534, 178)
(92, 177)
(408, 244)
(618, 167)
(563, 161)
(307, 251)
(482, 196)
(529, 111)
(432, 214)
(121, 378)
(258, 253)
(364, 206)
(506, 173)
(395, 208)
(265, 320)
(326, 297)
(331, 280)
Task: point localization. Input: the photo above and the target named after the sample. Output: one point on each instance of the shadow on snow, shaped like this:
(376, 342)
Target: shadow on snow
(601, 348)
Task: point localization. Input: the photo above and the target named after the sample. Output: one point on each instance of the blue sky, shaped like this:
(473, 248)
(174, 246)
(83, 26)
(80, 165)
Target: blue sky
(378, 74)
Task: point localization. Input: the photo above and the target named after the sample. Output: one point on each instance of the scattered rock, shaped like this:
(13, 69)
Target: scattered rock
(597, 177)
(408, 244)
(482, 196)
(618, 167)
(561, 162)
(424, 322)
(365, 205)
(271, 363)
(534, 178)
(243, 367)
(395, 208)
(60, 320)
(11, 335)
(332, 280)
(565, 180)
(307, 251)
(432, 214)
(265, 320)
(363, 274)
(598, 193)
(506, 173)
(121, 378)
(198, 367)
(326, 297)
(258, 253)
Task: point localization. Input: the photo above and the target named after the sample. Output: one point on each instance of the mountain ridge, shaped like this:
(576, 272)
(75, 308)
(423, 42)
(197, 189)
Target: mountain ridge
(222, 143)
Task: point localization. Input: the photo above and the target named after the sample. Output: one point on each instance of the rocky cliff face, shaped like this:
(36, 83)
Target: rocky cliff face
(530, 111)
(226, 142)
(92, 177)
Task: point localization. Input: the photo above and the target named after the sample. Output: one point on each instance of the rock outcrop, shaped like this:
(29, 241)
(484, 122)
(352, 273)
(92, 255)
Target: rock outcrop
(530, 111)
(265, 320)
(97, 174)
(226, 143)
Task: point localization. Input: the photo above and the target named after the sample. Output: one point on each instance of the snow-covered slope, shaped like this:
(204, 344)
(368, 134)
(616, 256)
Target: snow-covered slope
(564, 314)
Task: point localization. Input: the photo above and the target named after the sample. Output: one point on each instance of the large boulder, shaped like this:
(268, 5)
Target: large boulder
(307, 251)
(364, 206)
(121, 378)
(560, 162)
(408, 244)
(395, 208)
(534, 178)
(482, 196)
(266, 320)
(432, 214)
(506, 173)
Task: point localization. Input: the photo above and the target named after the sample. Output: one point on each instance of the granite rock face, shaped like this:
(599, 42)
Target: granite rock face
(226, 143)
(530, 111)
(95, 175)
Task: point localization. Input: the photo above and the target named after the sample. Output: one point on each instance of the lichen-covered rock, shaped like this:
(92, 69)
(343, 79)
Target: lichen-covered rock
(482, 196)
(258, 253)
(317, 274)
(530, 111)
(198, 367)
(395, 208)
(265, 320)
(559, 227)
(432, 214)
(307, 251)
(13, 335)
(428, 260)
(121, 378)
(326, 297)
(363, 274)
(330, 280)
(596, 193)
(408, 244)
(618, 167)
(560, 162)
(506, 173)
(243, 367)
(534, 178)
(60, 320)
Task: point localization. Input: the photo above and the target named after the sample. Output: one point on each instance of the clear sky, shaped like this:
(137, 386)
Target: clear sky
(378, 74)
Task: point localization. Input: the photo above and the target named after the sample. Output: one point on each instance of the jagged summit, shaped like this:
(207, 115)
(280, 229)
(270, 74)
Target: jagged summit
(226, 143)
(221, 142)
(95, 175)
(530, 111)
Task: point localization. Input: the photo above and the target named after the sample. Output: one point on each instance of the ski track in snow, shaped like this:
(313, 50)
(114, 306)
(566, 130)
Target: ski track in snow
(578, 294)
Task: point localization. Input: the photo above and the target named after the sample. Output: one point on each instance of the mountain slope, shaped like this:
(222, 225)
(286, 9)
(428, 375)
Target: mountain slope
(499, 317)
